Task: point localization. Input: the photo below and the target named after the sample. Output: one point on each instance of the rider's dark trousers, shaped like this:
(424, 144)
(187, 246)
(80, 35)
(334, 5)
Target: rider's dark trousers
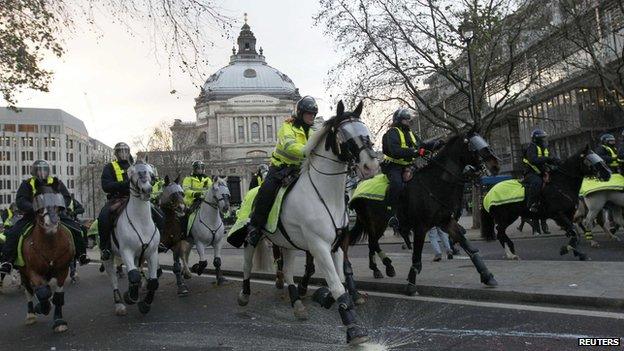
(267, 193)
(105, 225)
(9, 251)
(394, 172)
(533, 186)
(76, 230)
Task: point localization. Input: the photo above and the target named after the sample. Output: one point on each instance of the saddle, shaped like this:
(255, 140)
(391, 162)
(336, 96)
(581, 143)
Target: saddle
(117, 205)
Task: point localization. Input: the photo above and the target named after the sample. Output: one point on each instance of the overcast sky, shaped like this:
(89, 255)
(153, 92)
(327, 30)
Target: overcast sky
(115, 84)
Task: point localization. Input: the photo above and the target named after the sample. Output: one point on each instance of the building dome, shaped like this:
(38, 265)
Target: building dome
(248, 74)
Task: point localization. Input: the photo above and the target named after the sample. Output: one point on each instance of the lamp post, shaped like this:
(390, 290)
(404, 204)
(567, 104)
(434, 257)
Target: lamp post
(92, 166)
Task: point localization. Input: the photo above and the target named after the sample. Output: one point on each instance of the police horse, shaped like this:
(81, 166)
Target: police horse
(314, 214)
(559, 201)
(207, 228)
(135, 239)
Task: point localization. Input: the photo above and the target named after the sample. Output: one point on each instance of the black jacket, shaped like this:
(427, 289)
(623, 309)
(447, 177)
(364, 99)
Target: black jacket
(24, 196)
(391, 143)
(531, 155)
(110, 185)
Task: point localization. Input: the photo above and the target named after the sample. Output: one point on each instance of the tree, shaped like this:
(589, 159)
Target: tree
(30, 30)
(157, 147)
(413, 53)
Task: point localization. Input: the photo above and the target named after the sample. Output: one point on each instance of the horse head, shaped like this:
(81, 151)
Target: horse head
(140, 177)
(173, 196)
(350, 140)
(47, 205)
(590, 164)
(475, 154)
(220, 193)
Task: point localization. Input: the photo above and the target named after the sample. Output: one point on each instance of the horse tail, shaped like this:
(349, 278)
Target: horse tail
(357, 232)
(487, 226)
(263, 257)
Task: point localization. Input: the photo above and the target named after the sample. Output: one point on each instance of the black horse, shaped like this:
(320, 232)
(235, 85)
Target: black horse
(430, 199)
(559, 201)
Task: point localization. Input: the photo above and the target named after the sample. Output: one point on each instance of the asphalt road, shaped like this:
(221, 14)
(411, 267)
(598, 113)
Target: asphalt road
(210, 319)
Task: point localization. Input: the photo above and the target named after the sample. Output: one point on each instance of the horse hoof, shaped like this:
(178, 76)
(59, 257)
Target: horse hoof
(300, 311)
(120, 310)
(303, 290)
(411, 290)
(279, 283)
(30, 319)
(144, 307)
(359, 299)
(187, 275)
(377, 274)
(127, 299)
(183, 291)
(60, 326)
(243, 299)
(356, 335)
(390, 272)
(102, 268)
(489, 281)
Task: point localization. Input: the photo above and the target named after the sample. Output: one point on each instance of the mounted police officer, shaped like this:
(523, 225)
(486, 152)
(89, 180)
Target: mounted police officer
(40, 172)
(537, 162)
(257, 178)
(285, 162)
(400, 147)
(608, 152)
(157, 187)
(194, 187)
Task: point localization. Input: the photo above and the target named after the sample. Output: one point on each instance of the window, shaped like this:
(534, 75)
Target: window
(27, 128)
(53, 169)
(9, 128)
(255, 131)
(269, 131)
(241, 133)
(27, 141)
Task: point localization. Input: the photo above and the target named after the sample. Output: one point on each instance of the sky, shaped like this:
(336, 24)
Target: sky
(118, 87)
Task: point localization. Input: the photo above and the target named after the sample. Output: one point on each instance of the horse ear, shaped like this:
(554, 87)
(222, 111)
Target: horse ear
(358, 109)
(177, 180)
(340, 109)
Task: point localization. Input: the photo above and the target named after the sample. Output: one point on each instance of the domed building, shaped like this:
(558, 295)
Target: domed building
(238, 113)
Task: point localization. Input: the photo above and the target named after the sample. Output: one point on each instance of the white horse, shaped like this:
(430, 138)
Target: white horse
(207, 229)
(136, 239)
(593, 204)
(314, 213)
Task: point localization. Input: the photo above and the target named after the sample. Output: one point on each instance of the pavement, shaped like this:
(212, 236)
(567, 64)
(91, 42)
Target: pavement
(210, 319)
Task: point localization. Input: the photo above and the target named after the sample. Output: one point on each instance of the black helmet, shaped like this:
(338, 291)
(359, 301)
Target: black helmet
(199, 167)
(538, 136)
(40, 169)
(608, 139)
(263, 168)
(400, 115)
(122, 152)
(306, 104)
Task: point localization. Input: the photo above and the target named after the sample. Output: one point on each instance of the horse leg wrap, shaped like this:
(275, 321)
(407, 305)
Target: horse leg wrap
(371, 262)
(345, 308)
(152, 284)
(382, 255)
(43, 293)
(386, 261)
(293, 293)
(177, 268)
(117, 296)
(324, 297)
(200, 266)
(246, 287)
(217, 262)
(349, 281)
(134, 277)
(58, 299)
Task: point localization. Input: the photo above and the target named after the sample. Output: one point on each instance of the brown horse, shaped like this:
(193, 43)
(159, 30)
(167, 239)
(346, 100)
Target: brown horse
(171, 202)
(47, 253)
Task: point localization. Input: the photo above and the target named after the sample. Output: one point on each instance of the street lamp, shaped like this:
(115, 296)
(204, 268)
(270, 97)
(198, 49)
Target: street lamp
(467, 32)
(92, 166)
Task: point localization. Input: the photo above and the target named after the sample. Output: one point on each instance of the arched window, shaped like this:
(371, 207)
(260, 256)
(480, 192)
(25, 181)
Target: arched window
(255, 131)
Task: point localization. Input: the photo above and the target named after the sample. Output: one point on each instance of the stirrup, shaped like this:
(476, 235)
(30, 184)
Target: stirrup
(106, 255)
